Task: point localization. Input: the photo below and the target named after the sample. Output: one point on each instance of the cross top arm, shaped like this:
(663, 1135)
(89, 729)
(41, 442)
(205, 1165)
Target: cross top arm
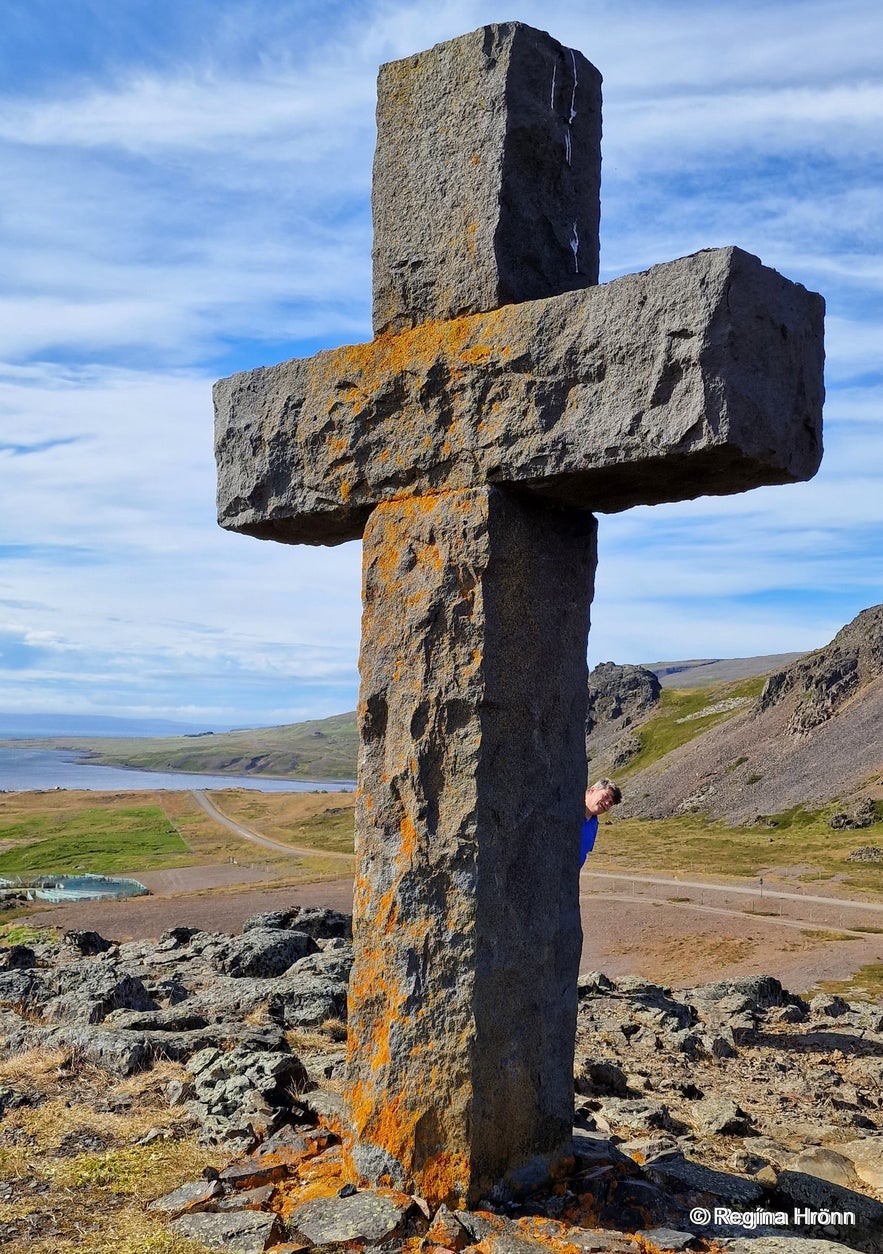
(700, 376)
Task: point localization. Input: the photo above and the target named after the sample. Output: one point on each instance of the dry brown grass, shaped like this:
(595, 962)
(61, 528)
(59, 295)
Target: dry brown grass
(332, 1031)
(126, 1230)
(691, 956)
(77, 1177)
(319, 820)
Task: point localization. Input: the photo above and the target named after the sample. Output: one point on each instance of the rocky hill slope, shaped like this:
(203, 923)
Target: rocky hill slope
(811, 736)
(703, 1116)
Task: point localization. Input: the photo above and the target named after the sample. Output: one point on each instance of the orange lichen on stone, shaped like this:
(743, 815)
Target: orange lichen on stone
(445, 1178)
(319, 1177)
(471, 339)
(409, 836)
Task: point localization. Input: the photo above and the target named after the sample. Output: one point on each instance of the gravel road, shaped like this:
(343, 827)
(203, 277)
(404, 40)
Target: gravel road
(673, 943)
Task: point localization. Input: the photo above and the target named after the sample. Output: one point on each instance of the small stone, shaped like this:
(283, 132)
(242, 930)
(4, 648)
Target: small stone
(192, 1196)
(719, 1116)
(240, 1232)
(826, 1164)
(151, 1135)
(601, 1077)
(370, 1215)
(246, 1199)
(824, 1006)
(866, 1157)
(447, 1231)
(178, 1092)
(667, 1238)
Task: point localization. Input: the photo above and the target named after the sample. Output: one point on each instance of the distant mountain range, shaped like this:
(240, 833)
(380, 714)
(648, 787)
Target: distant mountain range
(29, 726)
(319, 749)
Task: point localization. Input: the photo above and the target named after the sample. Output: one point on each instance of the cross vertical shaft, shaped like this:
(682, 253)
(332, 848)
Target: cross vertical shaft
(466, 920)
(466, 914)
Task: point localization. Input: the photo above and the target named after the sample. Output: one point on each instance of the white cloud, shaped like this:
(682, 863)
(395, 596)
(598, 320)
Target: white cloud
(206, 209)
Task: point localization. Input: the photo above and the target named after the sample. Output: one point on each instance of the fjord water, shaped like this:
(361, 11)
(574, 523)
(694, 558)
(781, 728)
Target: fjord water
(33, 770)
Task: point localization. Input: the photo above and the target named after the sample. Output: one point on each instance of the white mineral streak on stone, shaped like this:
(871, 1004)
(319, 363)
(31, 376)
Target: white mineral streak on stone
(568, 143)
(552, 98)
(574, 248)
(573, 93)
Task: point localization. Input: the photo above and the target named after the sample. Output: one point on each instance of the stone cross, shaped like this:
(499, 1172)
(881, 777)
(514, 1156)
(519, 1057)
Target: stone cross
(504, 397)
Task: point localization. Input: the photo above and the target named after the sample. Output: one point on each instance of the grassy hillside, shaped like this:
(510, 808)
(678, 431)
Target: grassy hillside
(685, 713)
(320, 749)
(65, 832)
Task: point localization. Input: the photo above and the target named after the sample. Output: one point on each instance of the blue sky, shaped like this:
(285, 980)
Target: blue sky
(185, 193)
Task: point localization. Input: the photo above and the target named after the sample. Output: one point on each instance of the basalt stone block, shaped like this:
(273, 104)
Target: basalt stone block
(246, 1231)
(370, 1217)
(697, 377)
(466, 923)
(263, 952)
(487, 175)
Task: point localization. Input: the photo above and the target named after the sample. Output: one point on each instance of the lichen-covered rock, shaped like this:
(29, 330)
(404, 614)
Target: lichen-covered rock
(642, 390)
(466, 932)
(240, 1232)
(314, 990)
(372, 1216)
(318, 922)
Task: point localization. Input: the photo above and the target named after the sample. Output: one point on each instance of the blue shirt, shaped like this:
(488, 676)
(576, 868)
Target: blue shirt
(590, 831)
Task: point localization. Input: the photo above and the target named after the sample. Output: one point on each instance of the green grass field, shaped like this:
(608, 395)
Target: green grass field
(689, 843)
(97, 840)
(664, 732)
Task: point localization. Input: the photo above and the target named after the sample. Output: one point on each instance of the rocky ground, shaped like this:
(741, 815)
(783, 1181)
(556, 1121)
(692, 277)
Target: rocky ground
(731, 1115)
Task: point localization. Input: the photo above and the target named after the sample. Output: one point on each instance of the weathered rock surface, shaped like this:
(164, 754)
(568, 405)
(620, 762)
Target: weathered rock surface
(127, 1006)
(825, 679)
(700, 376)
(812, 736)
(620, 698)
(466, 933)
(366, 1216)
(515, 202)
(241, 1232)
(263, 952)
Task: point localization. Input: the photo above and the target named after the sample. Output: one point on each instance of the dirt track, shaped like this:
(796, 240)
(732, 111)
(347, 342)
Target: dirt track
(675, 944)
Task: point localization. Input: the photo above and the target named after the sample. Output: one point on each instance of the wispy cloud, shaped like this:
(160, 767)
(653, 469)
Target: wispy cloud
(186, 193)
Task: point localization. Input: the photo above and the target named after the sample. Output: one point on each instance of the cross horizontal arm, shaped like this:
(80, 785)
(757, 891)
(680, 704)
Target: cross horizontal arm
(701, 376)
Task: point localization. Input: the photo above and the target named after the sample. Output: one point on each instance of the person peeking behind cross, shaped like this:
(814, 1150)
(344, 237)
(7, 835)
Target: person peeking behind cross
(600, 798)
